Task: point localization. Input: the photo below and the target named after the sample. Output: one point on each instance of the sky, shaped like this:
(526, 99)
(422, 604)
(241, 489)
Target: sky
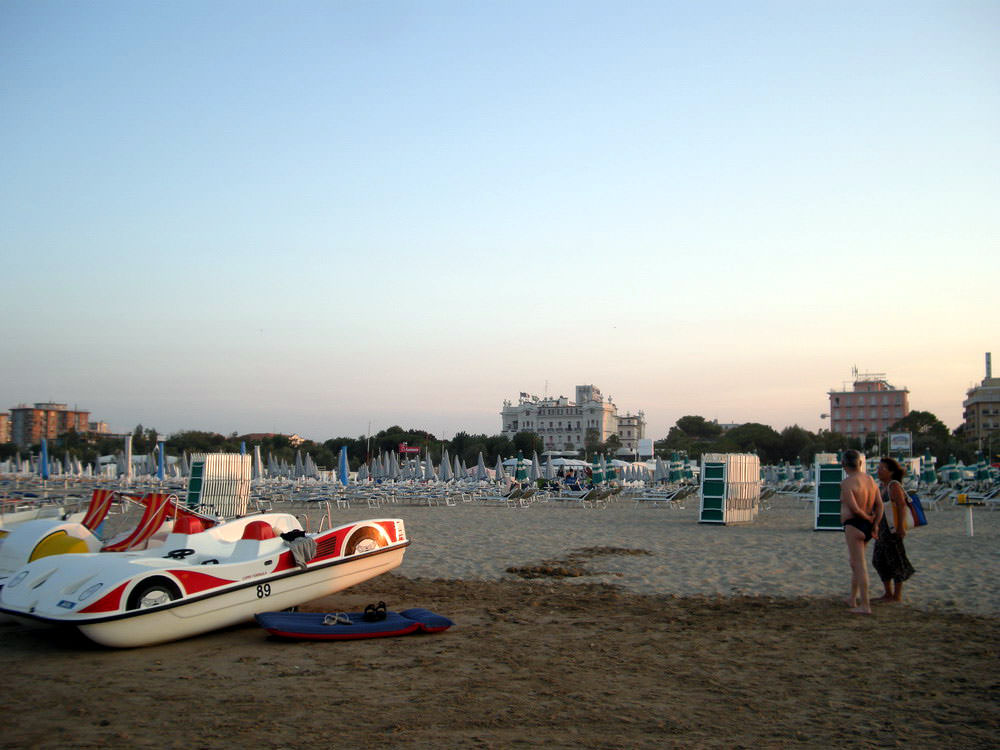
(331, 217)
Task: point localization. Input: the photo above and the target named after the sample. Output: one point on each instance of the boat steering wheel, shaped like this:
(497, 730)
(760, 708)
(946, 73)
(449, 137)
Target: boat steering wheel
(179, 554)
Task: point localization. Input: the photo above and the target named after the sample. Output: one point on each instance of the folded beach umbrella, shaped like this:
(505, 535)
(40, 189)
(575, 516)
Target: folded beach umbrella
(596, 474)
(429, 466)
(363, 473)
(535, 468)
(258, 464)
(608, 472)
(499, 474)
(43, 460)
(460, 471)
(660, 472)
(481, 474)
(343, 472)
(521, 472)
(445, 469)
(550, 471)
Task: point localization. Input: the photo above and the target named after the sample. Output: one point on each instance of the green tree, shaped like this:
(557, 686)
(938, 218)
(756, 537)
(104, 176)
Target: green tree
(527, 443)
(754, 437)
(698, 427)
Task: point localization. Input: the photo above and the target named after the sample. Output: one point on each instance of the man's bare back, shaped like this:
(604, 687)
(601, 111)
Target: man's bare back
(858, 497)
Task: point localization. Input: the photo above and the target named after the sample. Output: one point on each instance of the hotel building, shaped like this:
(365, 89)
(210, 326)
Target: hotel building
(981, 408)
(562, 424)
(29, 424)
(872, 406)
(4, 428)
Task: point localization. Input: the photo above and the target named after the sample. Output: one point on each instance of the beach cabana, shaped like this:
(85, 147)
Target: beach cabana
(826, 493)
(730, 488)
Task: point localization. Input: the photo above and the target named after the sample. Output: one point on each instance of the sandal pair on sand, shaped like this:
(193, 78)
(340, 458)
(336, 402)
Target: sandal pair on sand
(372, 613)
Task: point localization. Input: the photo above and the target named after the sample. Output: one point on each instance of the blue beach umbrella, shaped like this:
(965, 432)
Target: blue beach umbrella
(342, 470)
(243, 447)
(43, 460)
(160, 450)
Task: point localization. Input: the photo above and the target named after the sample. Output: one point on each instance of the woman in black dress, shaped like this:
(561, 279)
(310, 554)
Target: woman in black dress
(889, 557)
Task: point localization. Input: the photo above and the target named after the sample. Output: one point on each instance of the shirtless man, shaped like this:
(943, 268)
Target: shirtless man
(860, 512)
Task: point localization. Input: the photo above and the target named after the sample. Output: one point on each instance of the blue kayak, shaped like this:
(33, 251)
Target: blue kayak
(331, 627)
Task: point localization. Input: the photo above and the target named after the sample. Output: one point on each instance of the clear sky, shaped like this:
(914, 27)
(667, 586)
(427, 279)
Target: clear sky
(312, 216)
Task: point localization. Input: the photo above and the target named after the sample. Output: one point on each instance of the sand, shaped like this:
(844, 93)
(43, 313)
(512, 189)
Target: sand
(668, 634)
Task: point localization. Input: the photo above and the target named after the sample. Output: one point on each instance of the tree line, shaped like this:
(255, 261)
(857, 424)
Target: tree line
(692, 435)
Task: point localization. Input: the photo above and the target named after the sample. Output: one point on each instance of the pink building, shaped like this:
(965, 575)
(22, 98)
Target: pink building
(871, 407)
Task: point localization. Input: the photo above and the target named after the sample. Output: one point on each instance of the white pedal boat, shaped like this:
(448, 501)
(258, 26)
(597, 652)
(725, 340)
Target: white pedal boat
(199, 579)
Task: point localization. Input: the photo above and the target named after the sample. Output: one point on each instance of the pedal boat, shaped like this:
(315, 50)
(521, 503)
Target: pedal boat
(200, 579)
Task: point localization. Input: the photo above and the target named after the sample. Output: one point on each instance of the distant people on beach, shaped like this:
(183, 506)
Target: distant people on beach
(861, 512)
(572, 481)
(889, 556)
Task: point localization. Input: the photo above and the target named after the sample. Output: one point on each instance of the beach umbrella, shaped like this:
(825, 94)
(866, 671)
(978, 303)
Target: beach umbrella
(499, 474)
(481, 473)
(160, 458)
(596, 475)
(300, 468)
(342, 469)
(550, 471)
(676, 473)
(362, 473)
(446, 471)
(534, 468)
(429, 474)
(243, 447)
(521, 470)
(928, 474)
(128, 458)
(43, 460)
(460, 470)
(660, 472)
(258, 464)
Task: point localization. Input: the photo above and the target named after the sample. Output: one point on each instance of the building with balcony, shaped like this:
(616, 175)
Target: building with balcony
(29, 424)
(872, 405)
(562, 424)
(981, 408)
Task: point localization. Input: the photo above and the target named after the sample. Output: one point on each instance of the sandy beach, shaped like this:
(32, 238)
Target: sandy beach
(619, 627)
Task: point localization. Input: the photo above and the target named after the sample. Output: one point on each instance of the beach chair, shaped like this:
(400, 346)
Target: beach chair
(513, 495)
(157, 506)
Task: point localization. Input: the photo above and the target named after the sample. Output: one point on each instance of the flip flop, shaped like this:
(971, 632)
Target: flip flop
(380, 611)
(338, 619)
(370, 614)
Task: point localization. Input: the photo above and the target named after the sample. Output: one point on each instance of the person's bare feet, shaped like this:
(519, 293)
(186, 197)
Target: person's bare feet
(860, 611)
(850, 602)
(885, 598)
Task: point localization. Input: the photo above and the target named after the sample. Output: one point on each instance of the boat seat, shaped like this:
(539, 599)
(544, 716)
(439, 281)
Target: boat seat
(188, 525)
(258, 538)
(259, 530)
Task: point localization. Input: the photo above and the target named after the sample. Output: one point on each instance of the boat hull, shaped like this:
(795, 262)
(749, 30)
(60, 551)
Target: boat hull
(186, 619)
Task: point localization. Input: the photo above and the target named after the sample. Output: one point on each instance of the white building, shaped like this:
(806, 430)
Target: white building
(562, 424)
